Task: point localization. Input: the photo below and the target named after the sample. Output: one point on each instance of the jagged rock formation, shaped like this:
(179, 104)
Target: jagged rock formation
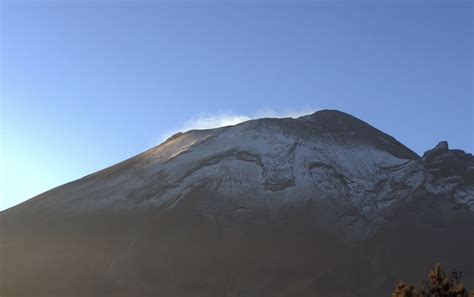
(322, 205)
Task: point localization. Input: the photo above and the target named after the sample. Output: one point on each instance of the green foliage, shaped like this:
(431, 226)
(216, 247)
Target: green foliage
(439, 284)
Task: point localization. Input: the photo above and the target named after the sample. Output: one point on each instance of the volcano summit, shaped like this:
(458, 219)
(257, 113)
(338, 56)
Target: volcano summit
(322, 205)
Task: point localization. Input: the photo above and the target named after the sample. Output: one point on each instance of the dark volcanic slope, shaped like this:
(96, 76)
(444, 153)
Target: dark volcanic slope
(322, 205)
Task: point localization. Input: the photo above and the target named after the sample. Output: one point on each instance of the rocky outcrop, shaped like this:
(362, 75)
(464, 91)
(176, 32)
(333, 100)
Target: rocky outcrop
(451, 173)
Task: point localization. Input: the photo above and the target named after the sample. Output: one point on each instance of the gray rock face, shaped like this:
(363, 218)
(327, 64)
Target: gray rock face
(451, 173)
(322, 205)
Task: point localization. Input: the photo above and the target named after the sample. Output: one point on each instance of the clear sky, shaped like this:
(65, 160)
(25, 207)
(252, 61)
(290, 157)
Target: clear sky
(86, 84)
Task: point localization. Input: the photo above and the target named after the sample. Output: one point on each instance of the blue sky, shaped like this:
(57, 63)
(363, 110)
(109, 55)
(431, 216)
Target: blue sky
(86, 84)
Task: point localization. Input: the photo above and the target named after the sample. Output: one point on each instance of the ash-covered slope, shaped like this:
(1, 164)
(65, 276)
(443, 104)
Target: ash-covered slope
(322, 205)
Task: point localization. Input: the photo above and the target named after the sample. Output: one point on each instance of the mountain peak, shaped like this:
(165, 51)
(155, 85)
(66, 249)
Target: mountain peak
(279, 189)
(344, 124)
(328, 114)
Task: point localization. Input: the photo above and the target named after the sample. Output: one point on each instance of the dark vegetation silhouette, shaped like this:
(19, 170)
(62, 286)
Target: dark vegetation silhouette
(439, 284)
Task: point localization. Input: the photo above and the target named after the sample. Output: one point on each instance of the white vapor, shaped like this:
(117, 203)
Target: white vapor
(221, 119)
(204, 121)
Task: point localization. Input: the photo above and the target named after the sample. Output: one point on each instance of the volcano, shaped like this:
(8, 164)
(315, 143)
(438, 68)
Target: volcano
(322, 205)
